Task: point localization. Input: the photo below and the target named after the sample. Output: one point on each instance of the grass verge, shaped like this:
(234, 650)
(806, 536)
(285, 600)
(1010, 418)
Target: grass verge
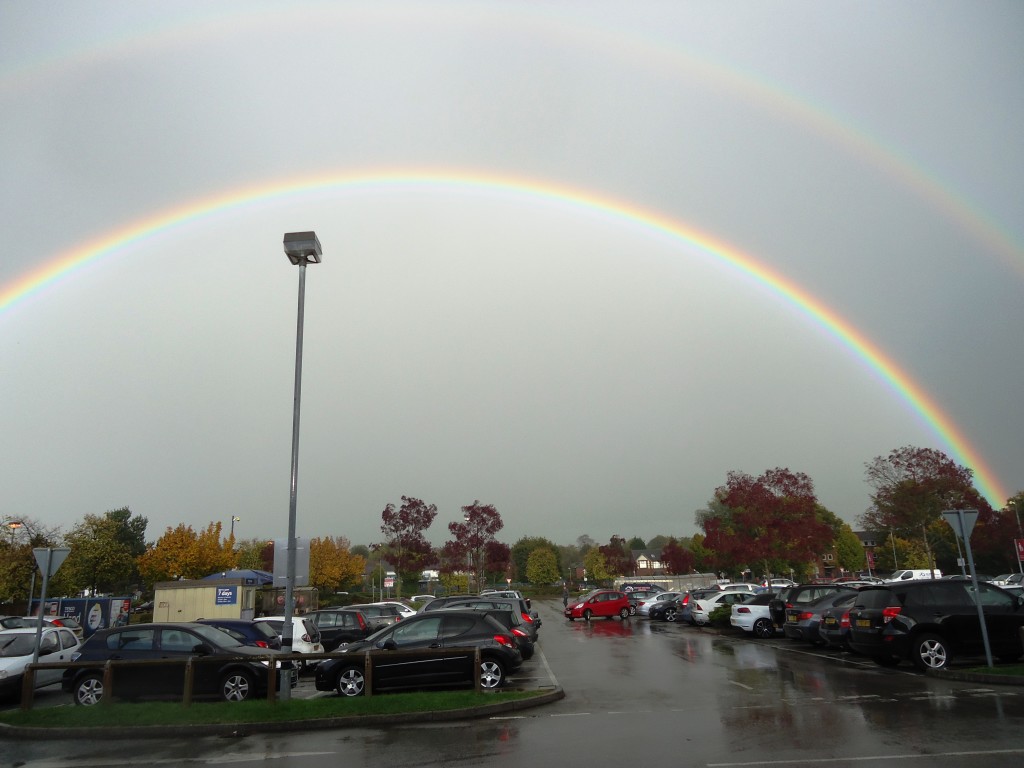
(123, 714)
(1009, 670)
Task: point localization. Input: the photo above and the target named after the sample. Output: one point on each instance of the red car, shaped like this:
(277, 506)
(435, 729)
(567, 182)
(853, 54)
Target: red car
(600, 602)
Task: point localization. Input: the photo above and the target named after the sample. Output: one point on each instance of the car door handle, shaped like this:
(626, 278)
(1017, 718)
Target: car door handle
(435, 645)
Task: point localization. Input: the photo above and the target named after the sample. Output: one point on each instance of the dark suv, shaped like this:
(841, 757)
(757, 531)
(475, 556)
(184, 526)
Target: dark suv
(800, 595)
(930, 621)
(339, 626)
(223, 667)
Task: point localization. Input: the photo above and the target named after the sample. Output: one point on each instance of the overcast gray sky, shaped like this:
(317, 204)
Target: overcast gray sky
(513, 304)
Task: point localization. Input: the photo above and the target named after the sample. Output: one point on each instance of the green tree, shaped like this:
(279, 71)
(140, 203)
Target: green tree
(104, 551)
(594, 564)
(522, 550)
(636, 543)
(542, 567)
(250, 553)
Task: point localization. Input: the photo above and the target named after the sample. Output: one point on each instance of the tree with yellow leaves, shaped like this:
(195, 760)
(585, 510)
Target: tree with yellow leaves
(331, 564)
(183, 553)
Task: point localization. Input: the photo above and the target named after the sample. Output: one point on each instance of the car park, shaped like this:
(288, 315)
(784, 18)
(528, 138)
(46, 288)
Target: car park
(701, 608)
(340, 626)
(255, 633)
(419, 665)
(223, 667)
(754, 616)
(17, 647)
(933, 621)
(804, 619)
(606, 603)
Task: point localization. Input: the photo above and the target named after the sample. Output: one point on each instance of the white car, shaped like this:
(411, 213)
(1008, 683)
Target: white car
(16, 647)
(738, 588)
(305, 635)
(700, 609)
(643, 607)
(402, 608)
(754, 616)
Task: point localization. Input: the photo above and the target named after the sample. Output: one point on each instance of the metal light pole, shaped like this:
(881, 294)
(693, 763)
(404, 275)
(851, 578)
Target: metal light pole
(233, 521)
(302, 248)
(1020, 533)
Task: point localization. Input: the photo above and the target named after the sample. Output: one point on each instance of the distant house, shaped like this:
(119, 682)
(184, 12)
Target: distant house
(647, 562)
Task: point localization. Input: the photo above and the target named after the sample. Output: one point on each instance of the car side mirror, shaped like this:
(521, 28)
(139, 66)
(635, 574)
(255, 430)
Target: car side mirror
(202, 649)
(389, 644)
(47, 651)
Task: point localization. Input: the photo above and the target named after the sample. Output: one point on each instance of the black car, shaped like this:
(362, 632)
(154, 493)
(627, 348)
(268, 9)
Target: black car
(795, 597)
(419, 665)
(223, 667)
(379, 616)
(931, 621)
(803, 621)
(528, 618)
(508, 614)
(666, 610)
(255, 633)
(339, 626)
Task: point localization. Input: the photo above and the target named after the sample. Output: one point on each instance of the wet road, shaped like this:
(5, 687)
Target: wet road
(652, 692)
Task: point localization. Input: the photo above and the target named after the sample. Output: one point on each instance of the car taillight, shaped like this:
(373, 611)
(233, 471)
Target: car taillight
(890, 613)
(362, 621)
(262, 644)
(58, 623)
(505, 640)
(805, 615)
(518, 633)
(844, 622)
(686, 599)
(306, 638)
(742, 609)
(527, 617)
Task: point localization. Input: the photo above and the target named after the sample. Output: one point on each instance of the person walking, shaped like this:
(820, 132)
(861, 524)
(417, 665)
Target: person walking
(565, 596)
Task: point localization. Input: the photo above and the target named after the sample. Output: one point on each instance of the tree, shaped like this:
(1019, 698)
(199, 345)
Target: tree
(249, 554)
(523, 548)
(617, 559)
(848, 548)
(636, 543)
(912, 487)
(769, 522)
(497, 561)
(331, 565)
(104, 550)
(658, 542)
(542, 567)
(595, 567)
(470, 537)
(677, 559)
(585, 543)
(181, 553)
(17, 562)
(404, 527)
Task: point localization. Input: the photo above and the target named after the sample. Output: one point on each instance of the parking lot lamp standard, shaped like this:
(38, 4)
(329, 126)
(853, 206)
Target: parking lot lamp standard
(301, 248)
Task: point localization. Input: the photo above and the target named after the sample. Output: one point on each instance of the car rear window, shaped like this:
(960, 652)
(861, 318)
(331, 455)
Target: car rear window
(876, 598)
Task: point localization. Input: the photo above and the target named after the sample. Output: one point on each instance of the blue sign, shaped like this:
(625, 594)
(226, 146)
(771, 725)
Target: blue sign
(227, 596)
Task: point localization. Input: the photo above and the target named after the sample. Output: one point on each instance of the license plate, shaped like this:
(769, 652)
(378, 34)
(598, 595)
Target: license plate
(830, 622)
(792, 619)
(864, 623)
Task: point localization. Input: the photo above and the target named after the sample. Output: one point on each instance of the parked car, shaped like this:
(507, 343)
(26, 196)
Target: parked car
(340, 626)
(754, 616)
(700, 609)
(601, 602)
(666, 610)
(637, 596)
(643, 608)
(403, 610)
(915, 573)
(305, 636)
(528, 620)
(255, 633)
(738, 587)
(933, 621)
(834, 628)
(509, 616)
(14, 622)
(225, 668)
(442, 602)
(17, 647)
(379, 615)
(513, 593)
(803, 620)
(419, 666)
(802, 594)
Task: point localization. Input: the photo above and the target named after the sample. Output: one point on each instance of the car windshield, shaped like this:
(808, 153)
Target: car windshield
(216, 637)
(17, 645)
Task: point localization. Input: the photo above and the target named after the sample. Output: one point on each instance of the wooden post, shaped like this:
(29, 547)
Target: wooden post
(186, 698)
(367, 674)
(272, 680)
(108, 684)
(28, 687)
(476, 671)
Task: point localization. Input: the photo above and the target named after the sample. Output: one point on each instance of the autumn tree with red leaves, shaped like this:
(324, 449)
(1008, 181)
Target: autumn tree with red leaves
(409, 550)
(471, 537)
(768, 523)
(677, 559)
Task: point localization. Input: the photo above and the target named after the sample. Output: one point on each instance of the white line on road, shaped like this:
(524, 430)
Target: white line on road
(868, 758)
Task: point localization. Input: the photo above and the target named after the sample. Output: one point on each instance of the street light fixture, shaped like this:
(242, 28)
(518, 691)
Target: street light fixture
(234, 520)
(301, 248)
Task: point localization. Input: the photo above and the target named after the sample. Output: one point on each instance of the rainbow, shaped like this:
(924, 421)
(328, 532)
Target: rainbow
(66, 264)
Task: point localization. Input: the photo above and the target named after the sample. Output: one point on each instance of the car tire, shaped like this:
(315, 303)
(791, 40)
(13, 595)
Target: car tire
(931, 652)
(350, 682)
(237, 685)
(670, 614)
(587, 614)
(626, 613)
(89, 689)
(632, 610)
(763, 629)
(492, 674)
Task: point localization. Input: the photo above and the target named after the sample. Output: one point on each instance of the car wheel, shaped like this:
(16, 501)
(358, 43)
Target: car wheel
(931, 652)
(587, 614)
(625, 613)
(351, 682)
(492, 674)
(237, 685)
(89, 690)
(632, 610)
(670, 614)
(763, 629)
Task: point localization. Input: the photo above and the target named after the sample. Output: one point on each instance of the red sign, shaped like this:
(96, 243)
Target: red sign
(1020, 548)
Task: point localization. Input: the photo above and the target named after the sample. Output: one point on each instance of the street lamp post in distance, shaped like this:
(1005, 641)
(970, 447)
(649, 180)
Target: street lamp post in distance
(301, 248)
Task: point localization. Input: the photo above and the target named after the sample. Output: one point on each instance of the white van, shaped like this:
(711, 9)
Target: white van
(915, 573)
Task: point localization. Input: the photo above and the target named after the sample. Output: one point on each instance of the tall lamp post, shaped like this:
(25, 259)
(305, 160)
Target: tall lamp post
(234, 520)
(301, 248)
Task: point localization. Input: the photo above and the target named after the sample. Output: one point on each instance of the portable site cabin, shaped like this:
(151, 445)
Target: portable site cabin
(227, 598)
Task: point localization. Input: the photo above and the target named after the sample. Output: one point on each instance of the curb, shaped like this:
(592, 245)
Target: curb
(976, 677)
(249, 729)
